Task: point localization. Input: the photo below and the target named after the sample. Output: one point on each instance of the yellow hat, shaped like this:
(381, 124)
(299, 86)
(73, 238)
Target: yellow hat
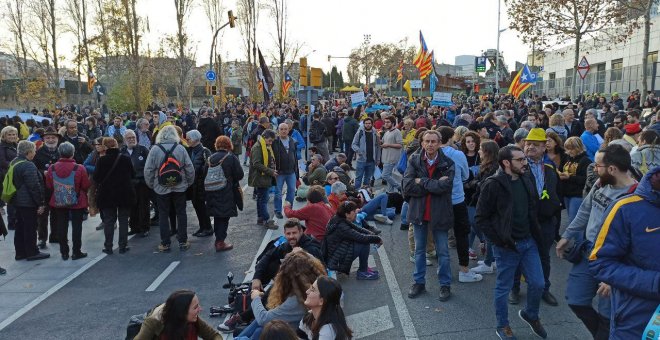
(536, 135)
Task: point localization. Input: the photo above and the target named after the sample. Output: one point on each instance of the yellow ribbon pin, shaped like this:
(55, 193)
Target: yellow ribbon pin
(544, 195)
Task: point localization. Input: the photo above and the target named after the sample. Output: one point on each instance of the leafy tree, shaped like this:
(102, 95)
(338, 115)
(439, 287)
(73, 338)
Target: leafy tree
(122, 95)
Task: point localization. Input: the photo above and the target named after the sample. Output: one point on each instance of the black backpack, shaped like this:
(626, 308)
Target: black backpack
(170, 173)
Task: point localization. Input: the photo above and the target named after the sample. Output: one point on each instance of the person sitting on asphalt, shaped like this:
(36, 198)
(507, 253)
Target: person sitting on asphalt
(344, 241)
(316, 213)
(177, 317)
(370, 206)
(337, 195)
(330, 179)
(336, 161)
(286, 298)
(269, 262)
(325, 320)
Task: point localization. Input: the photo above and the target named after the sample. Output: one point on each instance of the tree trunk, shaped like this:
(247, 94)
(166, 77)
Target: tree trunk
(576, 57)
(53, 33)
(645, 53)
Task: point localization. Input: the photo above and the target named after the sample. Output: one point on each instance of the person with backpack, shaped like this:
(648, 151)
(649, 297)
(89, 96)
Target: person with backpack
(23, 187)
(115, 193)
(8, 141)
(223, 189)
(169, 172)
(199, 156)
(68, 183)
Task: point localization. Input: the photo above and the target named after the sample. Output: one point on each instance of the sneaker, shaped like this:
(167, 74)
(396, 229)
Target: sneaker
(472, 254)
(550, 299)
(270, 224)
(428, 262)
(388, 221)
(380, 218)
(535, 325)
(469, 276)
(445, 293)
(484, 262)
(164, 248)
(431, 253)
(505, 333)
(279, 215)
(367, 275)
(42, 244)
(3, 271)
(231, 323)
(482, 269)
(415, 290)
(482, 248)
(183, 246)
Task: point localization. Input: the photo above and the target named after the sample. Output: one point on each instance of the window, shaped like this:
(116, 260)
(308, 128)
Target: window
(552, 77)
(569, 78)
(651, 59)
(600, 77)
(617, 70)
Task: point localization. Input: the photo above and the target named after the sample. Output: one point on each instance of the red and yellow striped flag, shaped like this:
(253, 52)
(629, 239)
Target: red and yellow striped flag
(399, 72)
(427, 66)
(517, 88)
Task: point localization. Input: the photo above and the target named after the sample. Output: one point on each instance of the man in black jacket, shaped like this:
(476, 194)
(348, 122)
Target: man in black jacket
(45, 157)
(208, 128)
(139, 216)
(79, 141)
(269, 262)
(317, 136)
(286, 164)
(573, 126)
(506, 212)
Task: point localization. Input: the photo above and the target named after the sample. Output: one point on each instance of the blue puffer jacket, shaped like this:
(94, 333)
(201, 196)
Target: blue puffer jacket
(625, 257)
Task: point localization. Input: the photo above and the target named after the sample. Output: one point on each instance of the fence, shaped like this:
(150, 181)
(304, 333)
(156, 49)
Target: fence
(623, 81)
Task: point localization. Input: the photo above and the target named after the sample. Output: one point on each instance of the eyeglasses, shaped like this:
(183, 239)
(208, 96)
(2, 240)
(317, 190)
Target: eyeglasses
(596, 166)
(521, 159)
(334, 178)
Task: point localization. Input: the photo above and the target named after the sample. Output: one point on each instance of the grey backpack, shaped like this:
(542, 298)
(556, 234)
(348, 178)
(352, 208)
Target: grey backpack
(215, 177)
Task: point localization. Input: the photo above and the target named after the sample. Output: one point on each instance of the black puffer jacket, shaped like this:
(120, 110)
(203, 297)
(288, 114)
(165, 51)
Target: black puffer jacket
(264, 270)
(7, 154)
(224, 203)
(337, 246)
(29, 185)
(495, 210)
(199, 154)
(117, 189)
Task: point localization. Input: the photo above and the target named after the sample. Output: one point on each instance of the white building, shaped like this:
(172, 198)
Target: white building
(466, 65)
(613, 67)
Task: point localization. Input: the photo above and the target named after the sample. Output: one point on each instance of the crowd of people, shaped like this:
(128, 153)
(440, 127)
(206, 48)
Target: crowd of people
(491, 169)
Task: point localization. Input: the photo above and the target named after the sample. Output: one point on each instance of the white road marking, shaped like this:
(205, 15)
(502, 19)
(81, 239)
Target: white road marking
(162, 276)
(400, 305)
(370, 322)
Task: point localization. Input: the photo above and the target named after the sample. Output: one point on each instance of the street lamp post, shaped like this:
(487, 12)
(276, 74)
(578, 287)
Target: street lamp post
(231, 21)
(367, 39)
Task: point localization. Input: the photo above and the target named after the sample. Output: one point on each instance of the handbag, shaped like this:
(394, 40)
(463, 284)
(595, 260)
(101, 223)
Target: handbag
(403, 163)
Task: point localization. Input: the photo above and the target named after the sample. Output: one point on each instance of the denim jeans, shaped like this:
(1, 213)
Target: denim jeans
(251, 332)
(441, 250)
(290, 180)
(364, 171)
(404, 213)
(349, 152)
(582, 286)
(548, 238)
(572, 206)
(371, 208)
(262, 203)
(527, 256)
(392, 184)
(361, 251)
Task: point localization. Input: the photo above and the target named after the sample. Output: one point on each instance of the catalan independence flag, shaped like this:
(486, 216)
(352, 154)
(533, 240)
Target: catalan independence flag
(286, 84)
(399, 72)
(423, 52)
(427, 66)
(91, 80)
(517, 87)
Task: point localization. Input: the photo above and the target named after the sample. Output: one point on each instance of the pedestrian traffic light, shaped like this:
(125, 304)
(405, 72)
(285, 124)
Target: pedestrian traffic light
(476, 88)
(232, 19)
(214, 90)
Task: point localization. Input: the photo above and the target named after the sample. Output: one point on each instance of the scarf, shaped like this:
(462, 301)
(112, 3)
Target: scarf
(265, 150)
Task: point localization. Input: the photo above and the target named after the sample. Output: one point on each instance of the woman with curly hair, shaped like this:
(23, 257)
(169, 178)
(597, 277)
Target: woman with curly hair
(287, 297)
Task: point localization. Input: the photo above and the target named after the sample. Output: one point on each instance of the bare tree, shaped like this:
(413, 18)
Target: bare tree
(185, 61)
(551, 23)
(642, 8)
(286, 50)
(15, 14)
(102, 39)
(248, 15)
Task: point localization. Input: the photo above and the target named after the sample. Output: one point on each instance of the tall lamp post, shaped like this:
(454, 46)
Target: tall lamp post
(367, 39)
(232, 24)
(497, 56)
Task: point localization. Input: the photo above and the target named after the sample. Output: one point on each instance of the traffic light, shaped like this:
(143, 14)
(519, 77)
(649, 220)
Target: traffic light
(329, 58)
(303, 72)
(476, 88)
(316, 77)
(232, 19)
(208, 89)
(214, 90)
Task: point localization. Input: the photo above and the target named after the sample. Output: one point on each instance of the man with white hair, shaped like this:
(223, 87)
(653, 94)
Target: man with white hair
(45, 157)
(573, 126)
(139, 218)
(199, 155)
(162, 156)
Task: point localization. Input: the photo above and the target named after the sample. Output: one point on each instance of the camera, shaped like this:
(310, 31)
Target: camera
(238, 299)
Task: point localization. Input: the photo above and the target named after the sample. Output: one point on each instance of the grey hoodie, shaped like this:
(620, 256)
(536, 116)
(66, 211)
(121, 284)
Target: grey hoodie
(359, 145)
(154, 161)
(560, 130)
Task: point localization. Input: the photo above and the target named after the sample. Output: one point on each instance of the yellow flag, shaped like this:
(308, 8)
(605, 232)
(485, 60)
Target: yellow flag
(406, 86)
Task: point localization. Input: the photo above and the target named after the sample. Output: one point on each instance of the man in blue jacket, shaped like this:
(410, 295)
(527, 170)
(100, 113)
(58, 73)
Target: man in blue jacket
(633, 272)
(589, 138)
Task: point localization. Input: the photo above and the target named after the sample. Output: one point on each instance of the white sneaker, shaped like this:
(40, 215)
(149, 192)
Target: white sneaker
(388, 221)
(494, 265)
(428, 262)
(482, 269)
(380, 218)
(469, 276)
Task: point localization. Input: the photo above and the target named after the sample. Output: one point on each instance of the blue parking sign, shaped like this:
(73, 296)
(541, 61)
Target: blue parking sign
(210, 75)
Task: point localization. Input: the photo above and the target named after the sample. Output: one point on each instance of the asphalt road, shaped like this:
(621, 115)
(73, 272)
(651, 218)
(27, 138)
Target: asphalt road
(97, 303)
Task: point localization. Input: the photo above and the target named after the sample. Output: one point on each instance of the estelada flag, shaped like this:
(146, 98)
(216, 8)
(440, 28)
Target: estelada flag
(286, 84)
(517, 87)
(399, 72)
(91, 81)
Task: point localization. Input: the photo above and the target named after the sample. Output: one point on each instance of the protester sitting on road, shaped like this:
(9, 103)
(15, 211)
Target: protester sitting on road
(337, 195)
(330, 179)
(270, 261)
(65, 204)
(177, 318)
(325, 320)
(278, 330)
(222, 204)
(116, 195)
(336, 161)
(286, 299)
(344, 241)
(371, 206)
(29, 201)
(316, 213)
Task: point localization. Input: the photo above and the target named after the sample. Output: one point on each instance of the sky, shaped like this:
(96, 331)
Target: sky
(335, 27)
